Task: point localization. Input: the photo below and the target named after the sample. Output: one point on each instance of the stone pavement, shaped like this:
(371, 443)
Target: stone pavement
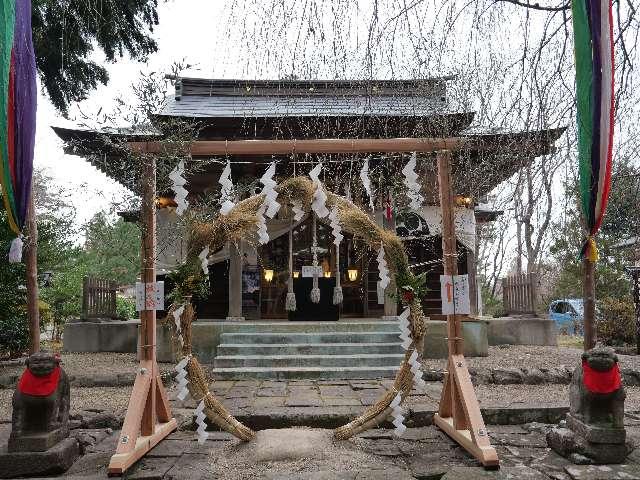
(422, 453)
(264, 404)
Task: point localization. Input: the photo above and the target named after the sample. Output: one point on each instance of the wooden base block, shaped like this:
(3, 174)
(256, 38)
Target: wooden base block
(120, 462)
(485, 454)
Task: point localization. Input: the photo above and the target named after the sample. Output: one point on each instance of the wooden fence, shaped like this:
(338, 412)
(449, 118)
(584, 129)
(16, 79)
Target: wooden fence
(98, 298)
(519, 293)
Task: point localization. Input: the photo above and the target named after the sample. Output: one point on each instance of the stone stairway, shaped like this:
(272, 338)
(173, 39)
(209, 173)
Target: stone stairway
(309, 350)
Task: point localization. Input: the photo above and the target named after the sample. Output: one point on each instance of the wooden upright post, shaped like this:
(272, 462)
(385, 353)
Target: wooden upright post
(459, 412)
(31, 264)
(148, 418)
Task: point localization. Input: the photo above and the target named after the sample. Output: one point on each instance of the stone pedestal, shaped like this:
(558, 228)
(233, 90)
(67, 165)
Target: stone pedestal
(37, 441)
(593, 431)
(55, 460)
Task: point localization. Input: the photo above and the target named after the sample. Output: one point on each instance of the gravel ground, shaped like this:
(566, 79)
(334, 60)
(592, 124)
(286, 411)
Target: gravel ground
(92, 363)
(521, 356)
(112, 399)
(236, 461)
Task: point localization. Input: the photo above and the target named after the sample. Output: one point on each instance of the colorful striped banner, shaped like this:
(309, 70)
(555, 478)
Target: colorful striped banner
(593, 43)
(18, 97)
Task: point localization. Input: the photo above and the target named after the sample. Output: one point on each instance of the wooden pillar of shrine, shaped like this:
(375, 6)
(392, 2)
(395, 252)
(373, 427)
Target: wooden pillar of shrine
(235, 282)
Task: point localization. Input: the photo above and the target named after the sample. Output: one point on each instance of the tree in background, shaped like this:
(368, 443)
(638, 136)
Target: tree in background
(615, 321)
(112, 249)
(66, 33)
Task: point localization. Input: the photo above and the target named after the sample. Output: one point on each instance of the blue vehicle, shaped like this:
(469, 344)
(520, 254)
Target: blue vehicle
(568, 315)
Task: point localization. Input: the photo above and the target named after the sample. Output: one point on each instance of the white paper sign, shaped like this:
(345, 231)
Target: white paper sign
(454, 293)
(308, 270)
(380, 292)
(149, 296)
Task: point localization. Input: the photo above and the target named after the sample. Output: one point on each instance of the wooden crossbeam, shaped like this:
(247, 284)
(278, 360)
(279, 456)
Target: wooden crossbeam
(325, 145)
(459, 412)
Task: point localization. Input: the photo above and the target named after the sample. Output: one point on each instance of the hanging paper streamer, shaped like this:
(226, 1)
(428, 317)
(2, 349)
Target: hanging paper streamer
(319, 203)
(594, 55)
(226, 192)
(177, 315)
(398, 416)
(298, 212)
(178, 183)
(383, 271)
(269, 191)
(336, 230)
(202, 426)
(418, 381)
(18, 95)
(204, 260)
(366, 181)
(181, 378)
(15, 251)
(263, 234)
(405, 334)
(411, 181)
(270, 206)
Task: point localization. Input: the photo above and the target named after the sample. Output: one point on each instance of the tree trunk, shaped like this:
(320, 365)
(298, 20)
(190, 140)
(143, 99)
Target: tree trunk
(31, 263)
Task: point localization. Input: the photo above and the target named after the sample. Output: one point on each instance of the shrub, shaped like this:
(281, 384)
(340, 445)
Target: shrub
(14, 336)
(615, 321)
(125, 308)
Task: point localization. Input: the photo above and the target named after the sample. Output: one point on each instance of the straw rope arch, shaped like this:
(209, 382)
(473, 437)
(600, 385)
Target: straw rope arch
(240, 224)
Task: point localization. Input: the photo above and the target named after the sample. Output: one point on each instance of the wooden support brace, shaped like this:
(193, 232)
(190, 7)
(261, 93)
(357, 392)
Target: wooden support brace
(459, 412)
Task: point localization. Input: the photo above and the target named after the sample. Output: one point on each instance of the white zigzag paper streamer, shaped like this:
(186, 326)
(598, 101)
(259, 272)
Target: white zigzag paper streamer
(204, 260)
(226, 192)
(398, 416)
(405, 334)
(183, 391)
(336, 229)
(272, 206)
(411, 181)
(178, 183)
(418, 381)
(319, 203)
(383, 270)
(177, 314)
(263, 235)
(366, 181)
(298, 212)
(202, 426)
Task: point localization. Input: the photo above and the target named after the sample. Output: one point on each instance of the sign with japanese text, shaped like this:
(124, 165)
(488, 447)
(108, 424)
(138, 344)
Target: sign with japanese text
(454, 293)
(149, 296)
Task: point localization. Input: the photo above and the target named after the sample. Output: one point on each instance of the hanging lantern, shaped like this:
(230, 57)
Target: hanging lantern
(353, 274)
(268, 275)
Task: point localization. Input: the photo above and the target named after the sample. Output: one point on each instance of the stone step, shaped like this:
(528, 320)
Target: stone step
(227, 349)
(278, 361)
(309, 337)
(305, 373)
(308, 327)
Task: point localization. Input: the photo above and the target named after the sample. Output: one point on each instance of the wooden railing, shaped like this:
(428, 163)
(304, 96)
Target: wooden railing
(98, 298)
(519, 293)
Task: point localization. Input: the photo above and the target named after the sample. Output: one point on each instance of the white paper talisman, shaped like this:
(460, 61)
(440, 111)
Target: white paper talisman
(454, 293)
(149, 296)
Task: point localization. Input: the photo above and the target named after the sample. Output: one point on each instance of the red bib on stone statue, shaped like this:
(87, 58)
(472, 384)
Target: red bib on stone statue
(601, 382)
(44, 386)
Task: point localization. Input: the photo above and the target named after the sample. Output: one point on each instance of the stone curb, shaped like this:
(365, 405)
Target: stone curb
(527, 376)
(496, 376)
(322, 417)
(115, 380)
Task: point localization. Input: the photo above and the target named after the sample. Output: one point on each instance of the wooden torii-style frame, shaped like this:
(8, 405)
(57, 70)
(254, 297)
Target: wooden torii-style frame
(148, 418)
